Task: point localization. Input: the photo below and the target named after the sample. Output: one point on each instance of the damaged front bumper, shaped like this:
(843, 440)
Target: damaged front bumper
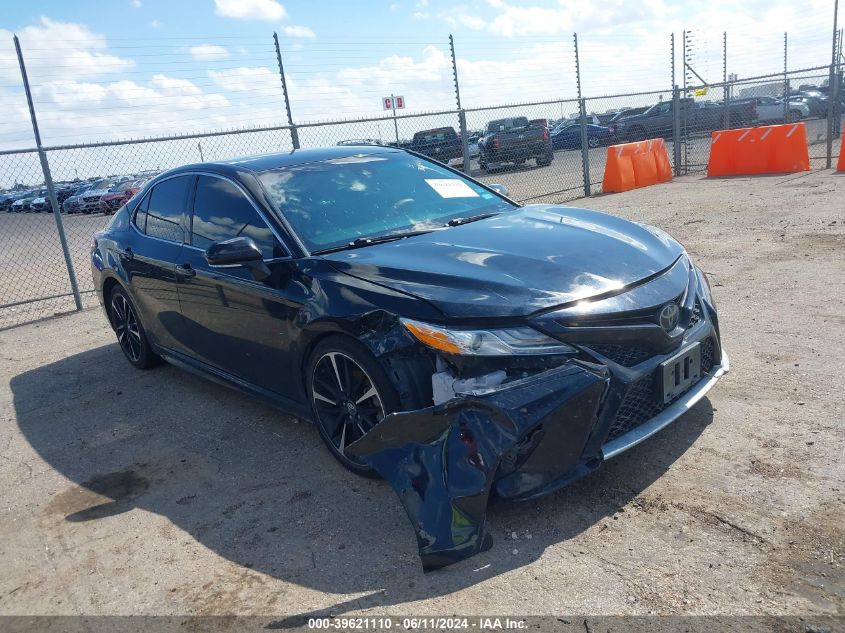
(517, 441)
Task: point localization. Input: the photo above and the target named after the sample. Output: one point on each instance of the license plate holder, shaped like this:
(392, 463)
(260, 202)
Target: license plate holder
(680, 372)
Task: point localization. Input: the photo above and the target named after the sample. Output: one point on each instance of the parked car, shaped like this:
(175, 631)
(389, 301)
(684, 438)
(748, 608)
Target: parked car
(89, 201)
(815, 101)
(71, 203)
(23, 202)
(694, 117)
(119, 195)
(770, 109)
(437, 333)
(39, 204)
(627, 112)
(9, 199)
(567, 135)
(442, 144)
(361, 141)
(514, 140)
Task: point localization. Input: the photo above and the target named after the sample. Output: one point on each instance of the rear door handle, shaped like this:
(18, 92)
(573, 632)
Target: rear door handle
(185, 270)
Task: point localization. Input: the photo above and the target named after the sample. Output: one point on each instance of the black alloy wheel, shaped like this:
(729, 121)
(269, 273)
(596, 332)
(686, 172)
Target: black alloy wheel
(130, 332)
(350, 394)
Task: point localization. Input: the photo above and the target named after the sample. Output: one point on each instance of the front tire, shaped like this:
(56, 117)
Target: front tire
(349, 393)
(130, 332)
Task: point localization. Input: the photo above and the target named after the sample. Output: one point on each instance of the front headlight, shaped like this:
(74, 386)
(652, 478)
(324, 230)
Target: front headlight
(520, 341)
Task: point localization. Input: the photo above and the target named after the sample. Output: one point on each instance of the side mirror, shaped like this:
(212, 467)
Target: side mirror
(500, 189)
(237, 251)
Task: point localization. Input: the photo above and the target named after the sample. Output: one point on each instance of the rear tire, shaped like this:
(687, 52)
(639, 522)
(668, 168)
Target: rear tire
(131, 335)
(349, 393)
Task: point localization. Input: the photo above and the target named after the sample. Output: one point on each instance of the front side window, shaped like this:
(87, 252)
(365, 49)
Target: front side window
(331, 203)
(222, 211)
(165, 207)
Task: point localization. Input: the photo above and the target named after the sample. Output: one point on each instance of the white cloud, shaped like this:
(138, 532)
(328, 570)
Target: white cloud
(298, 31)
(135, 3)
(420, 15)
(156, 24)
(263, 10)
(81, 51)
(254, 80)
(208, 52)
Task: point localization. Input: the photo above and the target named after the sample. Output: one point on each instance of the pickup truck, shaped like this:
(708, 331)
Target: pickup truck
(514, 140)
(442, 144)
(696, 117)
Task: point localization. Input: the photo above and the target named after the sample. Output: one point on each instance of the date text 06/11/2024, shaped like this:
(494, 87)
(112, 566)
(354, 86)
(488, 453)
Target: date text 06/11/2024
(418, 623)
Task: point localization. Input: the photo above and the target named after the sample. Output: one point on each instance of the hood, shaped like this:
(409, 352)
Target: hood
(534, 258)
(95, 192)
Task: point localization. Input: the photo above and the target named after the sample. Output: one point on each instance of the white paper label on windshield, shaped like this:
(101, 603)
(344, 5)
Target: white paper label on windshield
(451, 188)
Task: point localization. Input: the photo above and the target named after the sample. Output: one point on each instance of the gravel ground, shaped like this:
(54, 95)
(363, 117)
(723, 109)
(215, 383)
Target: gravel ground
(158, 492)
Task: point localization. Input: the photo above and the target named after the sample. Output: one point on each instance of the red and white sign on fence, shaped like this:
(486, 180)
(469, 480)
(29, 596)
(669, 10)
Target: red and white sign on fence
(393, 103)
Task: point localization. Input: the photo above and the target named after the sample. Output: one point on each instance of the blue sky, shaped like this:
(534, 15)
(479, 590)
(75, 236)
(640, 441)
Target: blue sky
(131, 68)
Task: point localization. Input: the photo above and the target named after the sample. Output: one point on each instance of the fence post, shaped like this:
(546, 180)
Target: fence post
(294, 133)
(48, 180)
(831, 88)
(676, 129)
(726, 95)
(672, 53)
(582, 106)
(785, 81)
(462, 115)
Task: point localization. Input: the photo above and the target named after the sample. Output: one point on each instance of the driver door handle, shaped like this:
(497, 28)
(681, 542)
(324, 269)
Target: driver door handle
(186, 270)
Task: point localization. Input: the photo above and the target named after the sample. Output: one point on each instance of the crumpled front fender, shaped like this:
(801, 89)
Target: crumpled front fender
(442, 461)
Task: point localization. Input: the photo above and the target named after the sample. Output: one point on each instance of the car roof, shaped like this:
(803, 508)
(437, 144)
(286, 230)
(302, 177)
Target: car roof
(265, 162)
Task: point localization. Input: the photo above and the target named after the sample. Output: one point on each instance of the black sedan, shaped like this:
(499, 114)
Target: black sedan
(567, 135)
(437, 333)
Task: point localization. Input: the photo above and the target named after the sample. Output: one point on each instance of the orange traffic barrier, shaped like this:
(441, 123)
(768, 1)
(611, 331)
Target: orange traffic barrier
(840, 166)
(770, 149)
(632, 165)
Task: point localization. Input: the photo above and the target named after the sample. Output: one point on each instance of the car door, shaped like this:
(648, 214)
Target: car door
(149, 258)
(237, 323)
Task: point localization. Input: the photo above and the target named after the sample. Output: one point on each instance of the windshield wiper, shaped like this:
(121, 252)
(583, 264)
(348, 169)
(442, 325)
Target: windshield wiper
(360, 242)
(472, 218)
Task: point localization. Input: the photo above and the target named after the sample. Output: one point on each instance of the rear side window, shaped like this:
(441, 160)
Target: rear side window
(222, 211)
(165, 207)
(140, 220)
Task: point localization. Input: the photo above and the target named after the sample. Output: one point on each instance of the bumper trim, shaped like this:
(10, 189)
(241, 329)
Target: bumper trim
(669, 414)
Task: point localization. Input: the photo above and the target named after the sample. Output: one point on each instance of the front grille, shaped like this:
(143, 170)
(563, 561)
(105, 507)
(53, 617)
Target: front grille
(641, 402)
(625, 355)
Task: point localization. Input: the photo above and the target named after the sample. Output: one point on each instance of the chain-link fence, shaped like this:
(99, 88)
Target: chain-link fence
(543, 150)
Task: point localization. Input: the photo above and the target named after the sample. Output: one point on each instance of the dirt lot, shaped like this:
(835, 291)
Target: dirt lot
(158, 492)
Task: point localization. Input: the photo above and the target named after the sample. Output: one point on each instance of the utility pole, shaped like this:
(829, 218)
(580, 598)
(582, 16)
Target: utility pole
(48, 180)
(294, 133)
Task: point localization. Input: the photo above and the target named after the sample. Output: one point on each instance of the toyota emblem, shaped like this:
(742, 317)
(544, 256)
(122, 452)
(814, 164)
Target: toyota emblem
(669, 316)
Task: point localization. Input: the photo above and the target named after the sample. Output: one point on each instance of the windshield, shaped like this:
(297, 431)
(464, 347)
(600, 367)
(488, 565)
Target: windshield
(331, 203)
